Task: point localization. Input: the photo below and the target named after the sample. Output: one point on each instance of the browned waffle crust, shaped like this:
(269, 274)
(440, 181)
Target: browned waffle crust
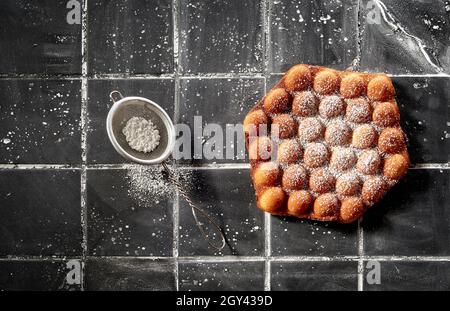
(339, 146)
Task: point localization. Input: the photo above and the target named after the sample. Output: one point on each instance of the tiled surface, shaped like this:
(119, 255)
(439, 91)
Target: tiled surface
(272, 80)
(40, 121)
(410, 276)
(221, 276)
(35, 276)
(210, 58)
(425, 108)
(34, 222)
(36, 38)
(313, 32)
(403, 39)
(227, 195)
(130, 36)
(99, 148)
(119, 224)
(414, 224)
(221, 36)
(314, 276)
(218, 101)
(129, 274)
(306, 238)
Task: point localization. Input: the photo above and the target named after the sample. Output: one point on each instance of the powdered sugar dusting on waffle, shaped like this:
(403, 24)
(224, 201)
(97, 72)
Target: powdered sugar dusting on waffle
(331, 106)
(328, 132)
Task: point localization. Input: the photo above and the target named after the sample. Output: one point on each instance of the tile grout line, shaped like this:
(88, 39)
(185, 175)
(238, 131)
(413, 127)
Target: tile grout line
(176, 202)
(200, 76)
(267, 252)
(205, 166)
(31, 76)
(176, 240)
(363, 258)
(360, 256)
(292, 258)
(357, 64)
(40, 166)
(40, 258)
(266, 9)
(119, 76)
(83, 122)
(206, 76)
(429, 75)
(359, 31)
(421, 166)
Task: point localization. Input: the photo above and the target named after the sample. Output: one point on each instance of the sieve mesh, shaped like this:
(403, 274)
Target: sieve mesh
(138, 108)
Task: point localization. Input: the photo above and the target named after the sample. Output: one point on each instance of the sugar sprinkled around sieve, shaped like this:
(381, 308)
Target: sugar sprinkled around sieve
(127, 107)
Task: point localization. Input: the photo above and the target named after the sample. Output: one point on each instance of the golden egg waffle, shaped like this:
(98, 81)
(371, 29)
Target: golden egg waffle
(325, 144)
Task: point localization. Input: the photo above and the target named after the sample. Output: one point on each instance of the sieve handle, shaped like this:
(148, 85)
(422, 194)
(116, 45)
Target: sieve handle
(354, 64)
(196, 209)
(115, 92)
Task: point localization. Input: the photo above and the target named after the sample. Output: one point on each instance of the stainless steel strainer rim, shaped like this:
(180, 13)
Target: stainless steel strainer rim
(162, 114)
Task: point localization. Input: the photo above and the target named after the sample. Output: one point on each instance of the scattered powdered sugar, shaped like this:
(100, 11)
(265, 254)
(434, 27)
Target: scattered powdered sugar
(305, 104)
(364, 136)
(321, 180)
(338, 133)
(350, 179)
(310, 129)
(331, 106)
(148, 185)
(295, 175)
(342, 159)
(298, 173)
(358, 110)
(141, 134)
(369, 161)
(316, 154)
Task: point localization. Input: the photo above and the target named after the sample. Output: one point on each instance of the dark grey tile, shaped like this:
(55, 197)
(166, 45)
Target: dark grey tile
(413, 218)
(409, 276)
(314, 276)
(425, 106)
(129, 213)
(107, 274)
(40, 121)
(227, 195)
(219, 101)
(235, 276)
(272, 80)
(221, 36)
(37, 276)
(36, 38)
(291, 236)
(401, 38)
(40, 213)
(313, 32)
(130, 36)
(99, 148)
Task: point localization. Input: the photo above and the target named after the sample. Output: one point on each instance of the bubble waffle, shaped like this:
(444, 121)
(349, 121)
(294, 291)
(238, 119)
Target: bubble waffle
(325, 144)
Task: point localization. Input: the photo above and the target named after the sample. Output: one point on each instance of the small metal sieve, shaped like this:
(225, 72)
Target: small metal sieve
(125, 108)
(128, 107)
